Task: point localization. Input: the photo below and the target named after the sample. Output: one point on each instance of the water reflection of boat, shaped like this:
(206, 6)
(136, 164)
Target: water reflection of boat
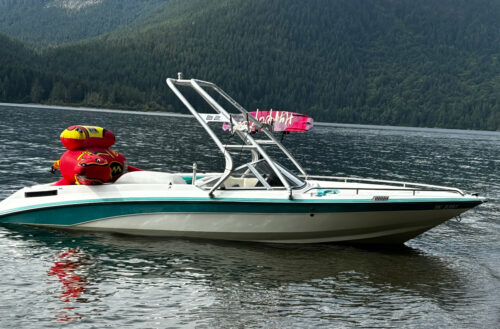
(104, 257)
(70, 267)
(67, 269)
(259, 200)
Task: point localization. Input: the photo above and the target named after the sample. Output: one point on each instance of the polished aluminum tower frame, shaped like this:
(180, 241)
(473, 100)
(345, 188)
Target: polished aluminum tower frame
(248, 142)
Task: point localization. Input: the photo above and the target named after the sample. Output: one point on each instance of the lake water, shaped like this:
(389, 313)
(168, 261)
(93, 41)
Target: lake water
(447, 277)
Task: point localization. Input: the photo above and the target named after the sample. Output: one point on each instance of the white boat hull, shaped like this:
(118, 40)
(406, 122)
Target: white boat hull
(182, 210)
(382, 227)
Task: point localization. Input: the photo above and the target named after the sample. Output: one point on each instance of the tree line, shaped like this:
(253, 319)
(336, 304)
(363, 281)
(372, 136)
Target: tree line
(425, 63)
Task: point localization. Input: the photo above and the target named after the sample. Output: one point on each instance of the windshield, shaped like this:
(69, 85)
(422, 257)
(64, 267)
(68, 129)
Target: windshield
(272, 179)
(254, 175)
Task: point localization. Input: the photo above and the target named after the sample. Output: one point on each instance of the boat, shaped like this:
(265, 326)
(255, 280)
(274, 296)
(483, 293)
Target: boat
(257, 199)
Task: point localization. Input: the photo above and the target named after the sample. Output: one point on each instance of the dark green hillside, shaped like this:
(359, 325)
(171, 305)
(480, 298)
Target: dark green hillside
(16, 74)
(23, 78)
(13, 52)
(44, 22)
(415, 63)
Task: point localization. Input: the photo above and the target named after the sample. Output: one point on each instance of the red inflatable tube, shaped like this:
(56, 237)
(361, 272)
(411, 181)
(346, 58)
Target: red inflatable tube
(79, 137)
(89, 161)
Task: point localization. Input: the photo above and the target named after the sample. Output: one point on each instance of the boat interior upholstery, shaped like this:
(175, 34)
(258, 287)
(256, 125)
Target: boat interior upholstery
(150, 177)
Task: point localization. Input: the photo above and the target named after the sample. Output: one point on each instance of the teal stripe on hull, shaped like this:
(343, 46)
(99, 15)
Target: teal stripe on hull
(77, 213)
(254, 201)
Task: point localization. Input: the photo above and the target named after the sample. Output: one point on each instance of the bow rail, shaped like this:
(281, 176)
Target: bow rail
(397, 184)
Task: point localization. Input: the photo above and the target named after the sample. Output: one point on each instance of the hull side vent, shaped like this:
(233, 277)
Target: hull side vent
(380, 198)
(40, 193)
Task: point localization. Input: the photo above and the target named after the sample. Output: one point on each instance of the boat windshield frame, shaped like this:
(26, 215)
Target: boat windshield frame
(260, 176)
(244, 132)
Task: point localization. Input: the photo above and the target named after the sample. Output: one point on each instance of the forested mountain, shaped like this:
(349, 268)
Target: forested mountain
(53, 22)
(400, 62)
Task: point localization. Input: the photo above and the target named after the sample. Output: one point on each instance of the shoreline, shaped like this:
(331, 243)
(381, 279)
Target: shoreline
(316, 123)
(94, 109)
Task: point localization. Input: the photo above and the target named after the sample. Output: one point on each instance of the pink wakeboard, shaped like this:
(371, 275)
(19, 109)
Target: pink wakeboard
(277, 120)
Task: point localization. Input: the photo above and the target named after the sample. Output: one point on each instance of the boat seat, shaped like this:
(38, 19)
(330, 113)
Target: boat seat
(150, 177)
(240, 182)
